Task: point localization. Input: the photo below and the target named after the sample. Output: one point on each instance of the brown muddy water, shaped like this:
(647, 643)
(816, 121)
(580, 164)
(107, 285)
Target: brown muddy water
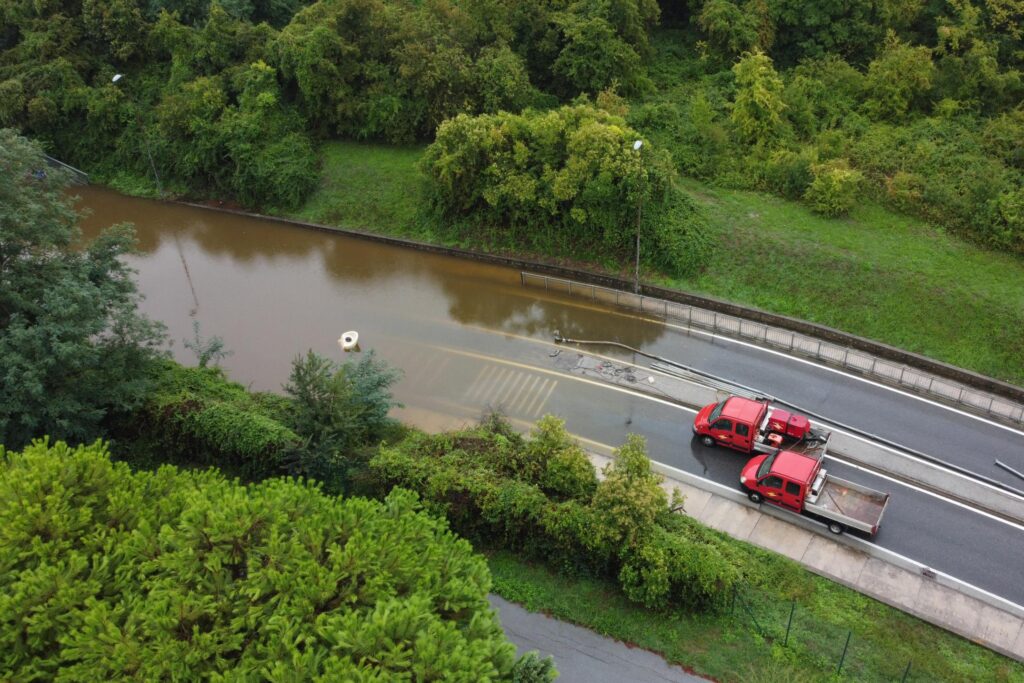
(273, 290)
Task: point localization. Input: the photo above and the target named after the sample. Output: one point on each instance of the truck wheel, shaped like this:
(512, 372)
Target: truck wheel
(707, 441)
(755, 497)
(836, 528)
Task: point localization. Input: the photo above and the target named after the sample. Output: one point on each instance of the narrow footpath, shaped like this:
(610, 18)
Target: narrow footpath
(582, 656)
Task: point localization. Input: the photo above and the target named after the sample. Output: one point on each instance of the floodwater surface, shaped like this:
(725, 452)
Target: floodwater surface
(272, 290)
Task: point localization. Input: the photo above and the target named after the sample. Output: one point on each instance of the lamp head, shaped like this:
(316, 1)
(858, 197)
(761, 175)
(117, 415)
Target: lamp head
(638, 144)
(116, 78)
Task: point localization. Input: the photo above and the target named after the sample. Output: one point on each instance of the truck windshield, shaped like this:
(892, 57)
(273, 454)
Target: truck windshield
(766, 466)
(715, 412)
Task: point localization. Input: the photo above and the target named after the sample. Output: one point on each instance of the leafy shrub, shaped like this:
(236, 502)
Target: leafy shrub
(789, 173)
(835, 188)
(530, 668)
(681, 239)
(627, 501)
(338, 408)
(618, 529)
(899, 76)
(176, 575)
(905, 190)
(1003, 136)
(567, 472)
(197, 417)
(566, 181)
(758, 108)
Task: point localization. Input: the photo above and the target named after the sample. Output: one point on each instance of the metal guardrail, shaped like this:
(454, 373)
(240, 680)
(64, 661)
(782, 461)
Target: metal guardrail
(889, 372)
(77, 176)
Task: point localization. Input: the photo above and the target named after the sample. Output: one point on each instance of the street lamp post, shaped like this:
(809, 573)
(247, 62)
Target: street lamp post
(145, 140)
(639, 209)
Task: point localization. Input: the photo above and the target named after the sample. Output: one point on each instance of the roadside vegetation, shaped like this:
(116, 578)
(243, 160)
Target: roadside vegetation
(729, 646)
(145, 561)
(621, 556)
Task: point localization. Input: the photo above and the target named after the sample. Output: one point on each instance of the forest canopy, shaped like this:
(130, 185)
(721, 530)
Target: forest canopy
(917, 105)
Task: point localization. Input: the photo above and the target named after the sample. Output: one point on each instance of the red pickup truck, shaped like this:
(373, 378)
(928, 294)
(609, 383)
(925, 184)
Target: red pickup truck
(755, 427)
(788, 472)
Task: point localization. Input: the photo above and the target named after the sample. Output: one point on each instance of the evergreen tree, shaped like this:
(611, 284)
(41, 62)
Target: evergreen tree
(72, 345)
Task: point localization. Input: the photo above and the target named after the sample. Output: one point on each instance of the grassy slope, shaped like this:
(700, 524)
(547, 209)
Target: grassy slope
(367, 187)
(728, 648)
(877, 274)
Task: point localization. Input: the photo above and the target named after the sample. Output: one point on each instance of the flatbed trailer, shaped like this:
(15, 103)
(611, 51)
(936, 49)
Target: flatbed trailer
(840, 501)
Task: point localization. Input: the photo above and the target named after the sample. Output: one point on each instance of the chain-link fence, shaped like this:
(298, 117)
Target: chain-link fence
(841, 650)
(889, 372)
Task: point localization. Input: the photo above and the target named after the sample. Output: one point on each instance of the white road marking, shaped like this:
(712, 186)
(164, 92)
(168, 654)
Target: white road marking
(654, 399)
(538, 401)
(526, 394)
(475, 385)
(835, 429)
(783, 354)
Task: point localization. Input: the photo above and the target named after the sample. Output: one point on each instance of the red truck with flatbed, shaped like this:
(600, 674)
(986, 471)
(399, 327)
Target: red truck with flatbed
(787, 470)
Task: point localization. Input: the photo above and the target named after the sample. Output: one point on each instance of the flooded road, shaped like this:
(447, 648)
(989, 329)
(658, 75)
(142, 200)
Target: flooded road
(272, 291)
(468, 336)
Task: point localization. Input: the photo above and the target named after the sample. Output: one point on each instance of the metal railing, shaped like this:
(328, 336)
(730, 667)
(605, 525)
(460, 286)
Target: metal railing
(795, 343)
(77, 176)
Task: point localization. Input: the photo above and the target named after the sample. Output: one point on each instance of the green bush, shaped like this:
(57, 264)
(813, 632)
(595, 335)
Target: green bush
(1003, 136)
(197, 417)
(171, 575)
(789, 173)
(565, 182)
(627, 501)
(621, 528)
(338, 409)
(567, 471)
(682, 243)
(835, 188)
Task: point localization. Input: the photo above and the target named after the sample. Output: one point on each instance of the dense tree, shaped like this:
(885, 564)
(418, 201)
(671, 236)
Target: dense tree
(338, 409)
(900, 75)
(563, 181)
(184, 575)
(72, 346)
(757, 112)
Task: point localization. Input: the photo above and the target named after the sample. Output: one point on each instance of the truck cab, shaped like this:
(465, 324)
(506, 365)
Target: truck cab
(733, 422)
(783, 478)
(749, 426)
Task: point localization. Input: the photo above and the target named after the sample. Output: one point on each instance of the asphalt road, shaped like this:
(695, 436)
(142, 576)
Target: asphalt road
(469, 335)
(582, 656)
(901, 417)
(508, 372)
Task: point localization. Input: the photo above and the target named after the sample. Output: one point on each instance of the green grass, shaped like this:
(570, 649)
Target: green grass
(367, 187)
(728, 647)
(877, 274)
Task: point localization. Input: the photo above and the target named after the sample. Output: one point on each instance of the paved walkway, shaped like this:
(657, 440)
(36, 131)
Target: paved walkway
(582, 656)
(855, 563)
